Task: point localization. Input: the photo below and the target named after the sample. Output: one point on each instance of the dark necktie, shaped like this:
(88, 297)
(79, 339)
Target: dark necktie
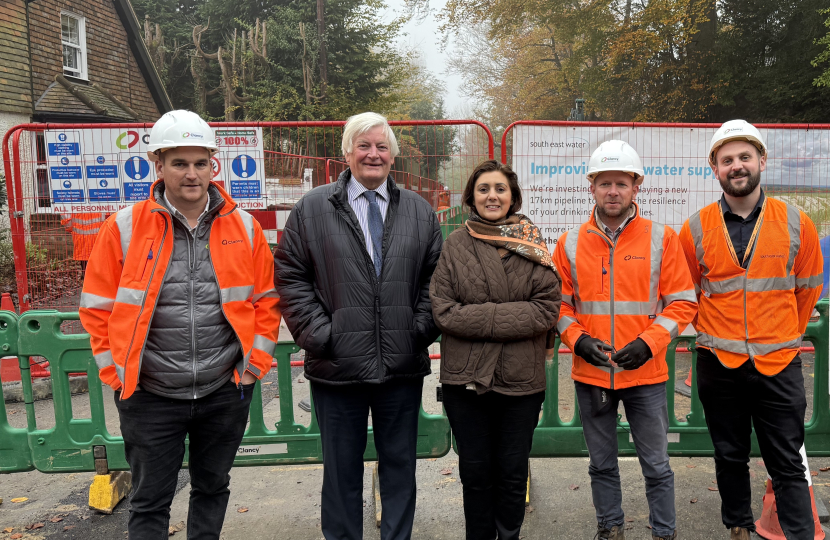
(375, 229)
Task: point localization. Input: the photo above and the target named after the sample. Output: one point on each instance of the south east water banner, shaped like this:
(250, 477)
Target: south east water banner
(552, 164)
(106, 169)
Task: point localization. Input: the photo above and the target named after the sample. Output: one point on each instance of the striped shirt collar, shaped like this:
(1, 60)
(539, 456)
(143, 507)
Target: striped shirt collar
(356, 189)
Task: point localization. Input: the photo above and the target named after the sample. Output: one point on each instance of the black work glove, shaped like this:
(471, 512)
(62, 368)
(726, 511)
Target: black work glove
(593, 351)
(633, 355)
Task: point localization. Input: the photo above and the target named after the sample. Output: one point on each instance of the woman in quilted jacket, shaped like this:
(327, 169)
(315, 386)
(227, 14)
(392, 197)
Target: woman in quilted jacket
(495, 296)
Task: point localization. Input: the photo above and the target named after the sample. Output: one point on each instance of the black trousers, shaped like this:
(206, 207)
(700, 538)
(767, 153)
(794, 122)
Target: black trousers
(154, 430)
(493, 436)
(342, 413)
(734, 401)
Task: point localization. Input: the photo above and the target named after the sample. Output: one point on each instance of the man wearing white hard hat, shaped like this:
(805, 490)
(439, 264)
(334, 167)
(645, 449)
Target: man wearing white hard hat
(626, 292)
(757, 267)
(180, 305)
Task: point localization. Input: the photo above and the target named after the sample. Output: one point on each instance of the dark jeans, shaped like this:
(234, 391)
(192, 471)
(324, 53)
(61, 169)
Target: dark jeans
(647, 415)
(734, 401)
(342, 413)
(154, 430)
(493, 436)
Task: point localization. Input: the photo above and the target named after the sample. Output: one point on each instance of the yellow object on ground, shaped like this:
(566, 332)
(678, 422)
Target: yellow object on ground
(107, 490)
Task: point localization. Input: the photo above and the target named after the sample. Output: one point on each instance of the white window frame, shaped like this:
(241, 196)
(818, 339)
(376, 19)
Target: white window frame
(82, 72)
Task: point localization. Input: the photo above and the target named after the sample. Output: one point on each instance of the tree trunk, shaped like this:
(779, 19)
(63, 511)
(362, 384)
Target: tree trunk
(321, 35)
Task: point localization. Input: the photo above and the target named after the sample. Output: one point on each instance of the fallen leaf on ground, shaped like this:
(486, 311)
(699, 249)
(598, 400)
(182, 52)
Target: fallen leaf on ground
(267, 383)
(68, 527)
(16, 536)
(691, 466)
(710, 488)
(714, 481)
(34, 526)
(431, 459)
(242, 509)
(175, 528)
(20, 499)
(813, 473)
(528, 509)
(629, 519)
(573, 487)
(8, 529)
(693, 500)
(446, 471)
(824, 469)
(56, 519)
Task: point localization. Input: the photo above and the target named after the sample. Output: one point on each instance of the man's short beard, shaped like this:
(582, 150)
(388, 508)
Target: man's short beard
(624, 211)
(751, 183)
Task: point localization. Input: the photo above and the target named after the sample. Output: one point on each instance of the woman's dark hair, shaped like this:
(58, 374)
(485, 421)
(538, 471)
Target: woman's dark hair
(489, 166)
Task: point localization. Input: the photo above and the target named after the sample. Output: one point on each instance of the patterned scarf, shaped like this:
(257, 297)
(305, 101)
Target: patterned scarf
(515, 233)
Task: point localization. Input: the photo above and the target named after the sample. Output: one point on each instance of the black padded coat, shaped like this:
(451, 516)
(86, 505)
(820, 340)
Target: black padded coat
(354, 326)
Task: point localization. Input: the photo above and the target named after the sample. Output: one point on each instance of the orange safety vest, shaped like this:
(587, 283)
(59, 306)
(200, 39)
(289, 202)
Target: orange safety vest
(126, 272)
(758, 313)
(616, 292)
(84, 228)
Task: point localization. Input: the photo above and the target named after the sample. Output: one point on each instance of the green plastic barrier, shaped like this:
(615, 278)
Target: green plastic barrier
(450, 219)
(68, 446)
(14, 443)
(556, 438)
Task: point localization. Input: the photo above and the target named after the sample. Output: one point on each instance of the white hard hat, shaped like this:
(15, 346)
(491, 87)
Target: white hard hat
(180, 128)
(616, 156)
(736, 130)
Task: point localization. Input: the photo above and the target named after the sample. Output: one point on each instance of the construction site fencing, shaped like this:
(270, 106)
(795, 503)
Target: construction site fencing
(551, 159)
(68, 446)
(63, 179)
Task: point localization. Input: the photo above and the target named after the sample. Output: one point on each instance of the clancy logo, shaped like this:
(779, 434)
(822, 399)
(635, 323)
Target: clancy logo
(634, 258)
(229, 242)
(730, 130)
(613, 158)
(188, 135)
(132, 141)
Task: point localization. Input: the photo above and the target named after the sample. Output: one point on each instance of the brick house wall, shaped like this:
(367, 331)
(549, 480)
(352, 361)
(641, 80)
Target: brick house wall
(110, 62)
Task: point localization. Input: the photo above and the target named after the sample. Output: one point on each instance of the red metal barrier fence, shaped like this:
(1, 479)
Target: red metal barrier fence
(62, 179)
(551, 159)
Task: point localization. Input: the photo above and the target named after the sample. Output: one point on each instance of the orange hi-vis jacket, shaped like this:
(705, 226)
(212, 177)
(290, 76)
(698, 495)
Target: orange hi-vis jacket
(126, 272)
(758, 313)
(84, 228)
(638, 286)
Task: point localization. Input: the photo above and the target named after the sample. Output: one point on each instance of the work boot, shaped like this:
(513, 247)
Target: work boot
(739, 533)
(614, 533)
(672, 536)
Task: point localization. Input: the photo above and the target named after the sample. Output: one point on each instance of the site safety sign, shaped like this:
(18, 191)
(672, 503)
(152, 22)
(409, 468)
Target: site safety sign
(552, 164)
(104, 170)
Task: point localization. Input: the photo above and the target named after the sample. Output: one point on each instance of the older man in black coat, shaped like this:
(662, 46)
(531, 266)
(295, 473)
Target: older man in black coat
(353, 269)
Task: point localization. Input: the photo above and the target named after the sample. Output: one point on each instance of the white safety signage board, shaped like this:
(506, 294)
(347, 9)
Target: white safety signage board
(552, 163)
(104, 170)
(239, 166)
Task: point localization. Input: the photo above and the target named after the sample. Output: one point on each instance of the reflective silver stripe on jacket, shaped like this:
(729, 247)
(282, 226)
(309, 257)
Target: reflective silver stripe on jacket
(568, 299)
(809, 282)
(657, 232)
(270, 293)
(120, 372)
(236, 294)
(85, 232)
(124, 222)
(93, 301)
(564, 322)
(248, 221)
(696, 228)
(743, 347)
(134, 297)
(570, 253)
(103, 359)
(794, 228)
(262, 343)
(89, 221)
(669, 325)
(686, 296)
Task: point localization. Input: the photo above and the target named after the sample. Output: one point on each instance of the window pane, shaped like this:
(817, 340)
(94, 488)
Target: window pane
(70, 32)
(71, 58)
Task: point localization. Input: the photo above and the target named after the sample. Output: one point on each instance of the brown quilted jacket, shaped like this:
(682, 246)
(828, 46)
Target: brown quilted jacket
(495, 314)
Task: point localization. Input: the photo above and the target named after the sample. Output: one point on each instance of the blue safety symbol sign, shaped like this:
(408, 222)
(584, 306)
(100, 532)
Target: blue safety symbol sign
(243, 166)
(136, 168)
